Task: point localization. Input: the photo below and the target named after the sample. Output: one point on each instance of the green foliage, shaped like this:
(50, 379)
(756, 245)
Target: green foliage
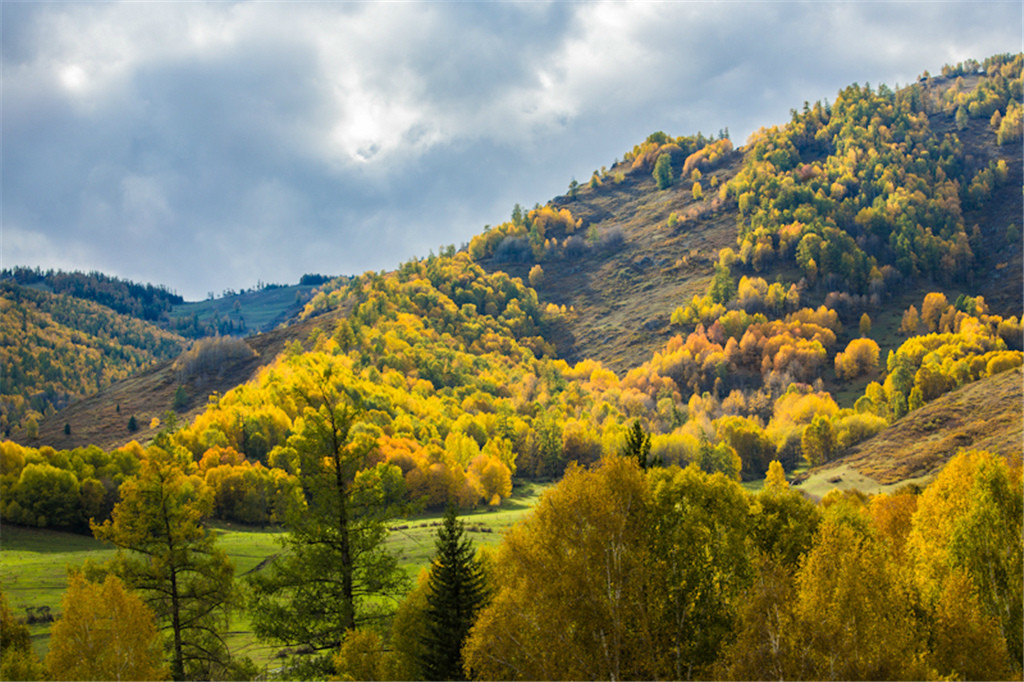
(180, 401)
(663, 171)
(172, 560)
(637, 445)
(870, 159)
(455, 593)
(143, 301)
(819, 441)
(336, 568)
(17, 660)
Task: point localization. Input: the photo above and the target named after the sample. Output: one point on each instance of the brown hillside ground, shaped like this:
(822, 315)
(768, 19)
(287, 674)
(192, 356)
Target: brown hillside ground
(623, 299)
(985, 415)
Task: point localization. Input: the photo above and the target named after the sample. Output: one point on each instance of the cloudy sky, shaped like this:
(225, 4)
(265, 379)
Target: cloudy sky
(207, 146)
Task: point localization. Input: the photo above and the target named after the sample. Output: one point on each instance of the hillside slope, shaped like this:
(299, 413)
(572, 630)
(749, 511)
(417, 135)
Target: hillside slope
(55, 348)
(624, 297)
(102, 418)
(863, 206)
(985, 415)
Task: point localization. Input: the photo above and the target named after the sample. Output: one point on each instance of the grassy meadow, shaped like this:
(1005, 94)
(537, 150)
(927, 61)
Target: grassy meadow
(34, 563)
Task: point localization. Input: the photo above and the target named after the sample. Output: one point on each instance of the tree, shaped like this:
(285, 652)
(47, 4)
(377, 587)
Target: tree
(865, 324)
(663, 171)
(105, 633)
(819, 440)
(845, 616)
(49, 497)
(775, 480)
(536, 276)
(168, 555)
(969, 521)
(723, 286)
(180, 401)
(567, 583)
(335, 568)
(910, 321)
(456, 591)
(618, 574)
(17, 660)
(637, 446)
(961, 118)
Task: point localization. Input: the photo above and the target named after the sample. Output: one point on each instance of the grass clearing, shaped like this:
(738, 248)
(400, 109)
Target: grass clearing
(34, 563)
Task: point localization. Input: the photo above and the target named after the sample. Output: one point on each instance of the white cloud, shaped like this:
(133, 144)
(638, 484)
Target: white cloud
(208, 145)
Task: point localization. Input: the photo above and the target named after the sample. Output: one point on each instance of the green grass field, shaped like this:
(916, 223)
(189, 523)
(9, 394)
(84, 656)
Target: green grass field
(34, 563)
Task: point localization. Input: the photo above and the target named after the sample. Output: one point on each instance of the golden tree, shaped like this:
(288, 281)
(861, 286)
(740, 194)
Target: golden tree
(105, 633)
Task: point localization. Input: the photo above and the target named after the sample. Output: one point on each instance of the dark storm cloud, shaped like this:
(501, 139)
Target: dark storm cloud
(208, 146)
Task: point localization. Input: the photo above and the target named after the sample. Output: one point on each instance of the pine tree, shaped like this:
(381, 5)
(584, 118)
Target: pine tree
(637, 445)
(455, 593)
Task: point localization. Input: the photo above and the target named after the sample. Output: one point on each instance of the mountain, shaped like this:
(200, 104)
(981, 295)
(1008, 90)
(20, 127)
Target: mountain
(706, 291)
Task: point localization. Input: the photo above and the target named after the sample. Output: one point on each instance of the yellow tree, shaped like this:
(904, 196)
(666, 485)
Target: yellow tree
(969, 521)
(104, 633)
(566, 584)
(170, 558)
(853, 614)
(618, 574)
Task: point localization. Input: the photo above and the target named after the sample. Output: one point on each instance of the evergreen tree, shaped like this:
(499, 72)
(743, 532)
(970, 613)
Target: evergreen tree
(637, 445)
(663, 171)
(455, 593)
(336, 573)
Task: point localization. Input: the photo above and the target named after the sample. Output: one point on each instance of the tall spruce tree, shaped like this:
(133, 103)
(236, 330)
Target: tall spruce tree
(336, 573)
(637, 445)
(455, 593)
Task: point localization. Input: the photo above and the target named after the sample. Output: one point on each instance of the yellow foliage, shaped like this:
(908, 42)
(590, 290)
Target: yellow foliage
(105, 633)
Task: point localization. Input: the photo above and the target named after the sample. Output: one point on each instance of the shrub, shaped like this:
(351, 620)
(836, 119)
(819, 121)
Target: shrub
(513, 250)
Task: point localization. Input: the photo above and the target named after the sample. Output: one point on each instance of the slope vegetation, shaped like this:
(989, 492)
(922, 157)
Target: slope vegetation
(985, 415)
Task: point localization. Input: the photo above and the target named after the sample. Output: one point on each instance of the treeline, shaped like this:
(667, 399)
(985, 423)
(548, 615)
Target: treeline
(144, 301)
(54, 348)
(622, 572)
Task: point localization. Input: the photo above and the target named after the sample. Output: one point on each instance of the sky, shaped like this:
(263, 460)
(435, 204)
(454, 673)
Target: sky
(207, 146)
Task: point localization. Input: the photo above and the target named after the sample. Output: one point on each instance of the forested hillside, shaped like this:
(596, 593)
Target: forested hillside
(56, 348)
(693, 317)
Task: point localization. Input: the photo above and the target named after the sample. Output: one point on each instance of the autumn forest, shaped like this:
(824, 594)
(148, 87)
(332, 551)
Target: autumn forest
(735, 373)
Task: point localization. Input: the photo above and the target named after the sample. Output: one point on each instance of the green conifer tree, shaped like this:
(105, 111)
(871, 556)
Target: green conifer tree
(637, 445)
(663, 171)
(455, 593)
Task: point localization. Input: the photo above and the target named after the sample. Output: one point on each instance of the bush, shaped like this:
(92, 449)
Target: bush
(513, 250)
(575, 247)
(612, 239)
